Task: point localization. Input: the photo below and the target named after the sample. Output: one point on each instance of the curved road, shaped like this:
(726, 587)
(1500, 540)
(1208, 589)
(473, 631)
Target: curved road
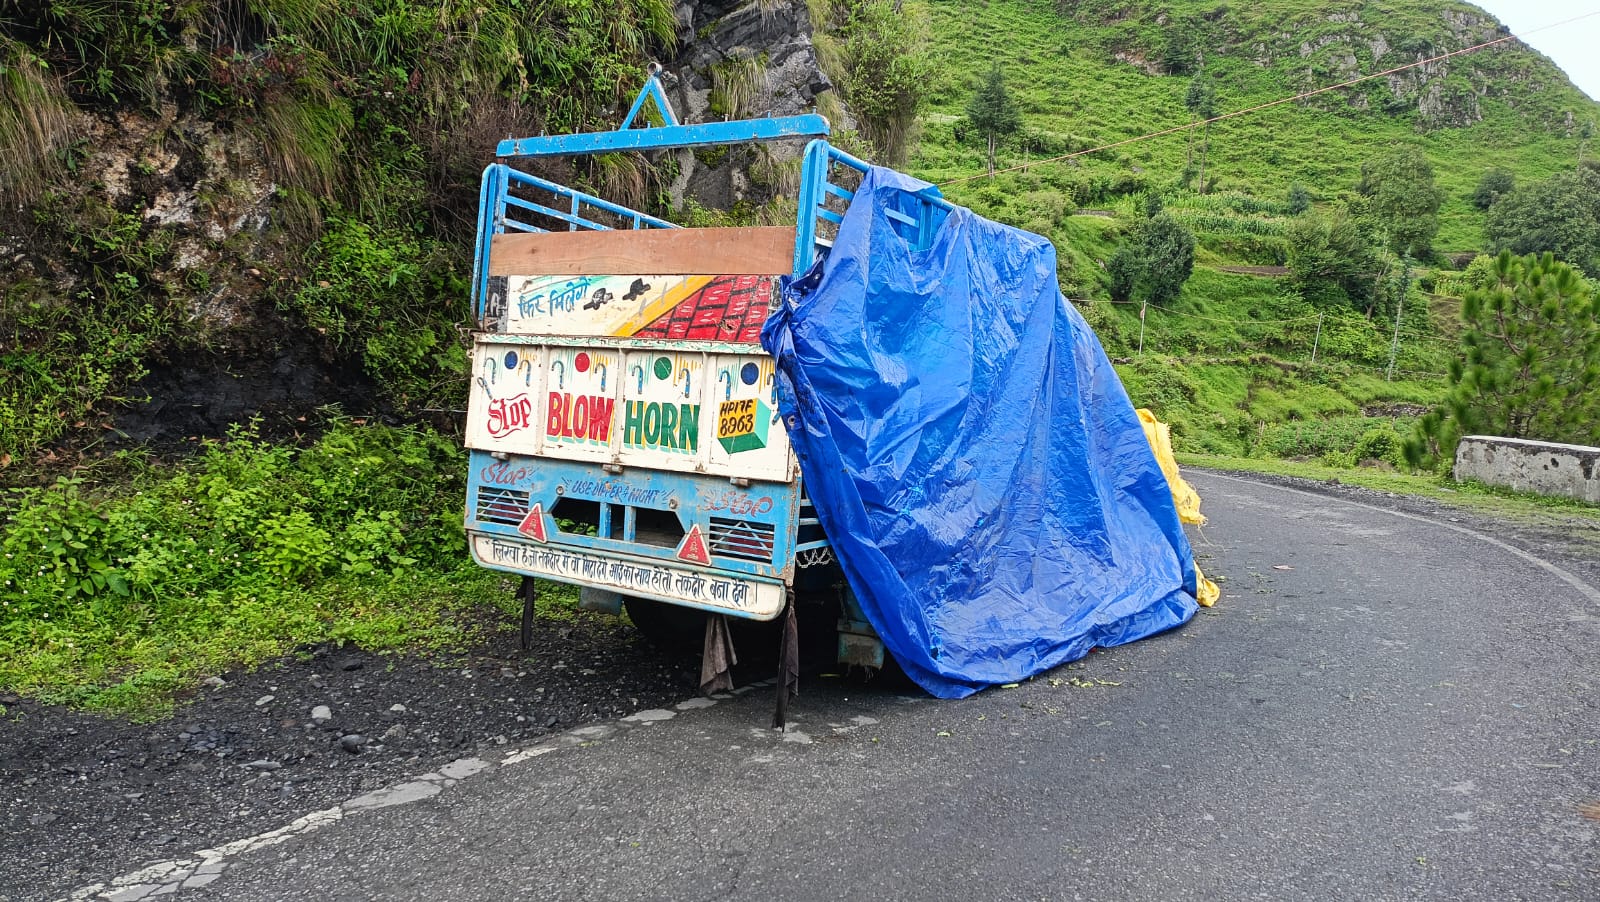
(1382, 706)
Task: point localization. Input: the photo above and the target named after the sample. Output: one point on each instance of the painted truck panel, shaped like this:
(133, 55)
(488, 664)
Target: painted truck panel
(689, 586)
(644, 517)
(699, 308)
(667, 409)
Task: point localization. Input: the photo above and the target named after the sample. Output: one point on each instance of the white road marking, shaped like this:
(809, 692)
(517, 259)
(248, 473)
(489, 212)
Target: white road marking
(1583, 588)
(164, 878)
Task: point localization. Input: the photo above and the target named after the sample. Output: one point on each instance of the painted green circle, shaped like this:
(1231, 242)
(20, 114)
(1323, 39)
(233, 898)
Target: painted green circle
(663, 368)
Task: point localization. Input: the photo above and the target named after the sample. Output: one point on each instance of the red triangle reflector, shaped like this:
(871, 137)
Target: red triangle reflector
(532, 525)
(694, 547)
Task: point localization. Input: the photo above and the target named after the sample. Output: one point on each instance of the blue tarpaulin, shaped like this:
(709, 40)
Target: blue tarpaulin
(973, 457)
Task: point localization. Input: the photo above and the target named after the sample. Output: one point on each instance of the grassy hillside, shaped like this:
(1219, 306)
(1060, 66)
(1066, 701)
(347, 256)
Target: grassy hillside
(1241, 363)
(1091, 78)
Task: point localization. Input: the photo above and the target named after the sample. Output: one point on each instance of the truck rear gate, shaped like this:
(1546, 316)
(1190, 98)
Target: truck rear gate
(623, 420)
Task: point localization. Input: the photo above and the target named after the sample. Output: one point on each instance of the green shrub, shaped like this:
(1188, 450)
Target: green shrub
(394, 300)
(235, 556)
(1382, 444)
(59, 355)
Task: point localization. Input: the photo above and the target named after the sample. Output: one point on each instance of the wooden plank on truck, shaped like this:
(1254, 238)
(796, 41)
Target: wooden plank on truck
(760, 251)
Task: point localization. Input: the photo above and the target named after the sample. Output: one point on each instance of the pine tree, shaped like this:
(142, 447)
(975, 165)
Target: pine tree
(1299, 199)
(1168, 251)
(1530, 366)
(1201, 102)
(992, 112)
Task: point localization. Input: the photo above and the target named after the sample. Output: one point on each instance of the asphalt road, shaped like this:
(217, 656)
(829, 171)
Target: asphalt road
(1408, 712)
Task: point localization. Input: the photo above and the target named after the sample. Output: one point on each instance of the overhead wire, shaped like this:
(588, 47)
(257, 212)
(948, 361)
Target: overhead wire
(1272, 103)
(1232, 320)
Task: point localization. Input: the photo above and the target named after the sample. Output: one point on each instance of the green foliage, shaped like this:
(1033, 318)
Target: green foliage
(1530, 366)
(116, 50)
(1155, 261)
(393, 299)
(35, 123)
(1153, 205)
(1496, 183)
(112, 597)
(1402, 200)
(1559, 215)
(1183, 45)
(1332, 259)
(887, 71)
(1314, 438)
(61, 355)
(1299, 200)
(1123, 268)
(1383, 445)
(1201, 97)
(1201, 102)
(735, 82)
(1479, 274)
(1337, 441)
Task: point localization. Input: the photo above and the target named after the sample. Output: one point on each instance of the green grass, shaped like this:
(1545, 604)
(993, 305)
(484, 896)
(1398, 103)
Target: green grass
(119, 597)
(1474, 496)
(1075, 95)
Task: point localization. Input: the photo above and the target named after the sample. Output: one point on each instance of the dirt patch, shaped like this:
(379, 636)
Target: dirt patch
(182, 402)
(88, 797)
(1395, 409)
(1273, 271)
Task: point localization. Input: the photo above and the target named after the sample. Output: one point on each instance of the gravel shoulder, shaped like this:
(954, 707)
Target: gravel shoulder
(86, 795)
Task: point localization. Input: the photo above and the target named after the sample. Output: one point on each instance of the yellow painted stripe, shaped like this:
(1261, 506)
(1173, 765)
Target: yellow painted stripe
(668, 300)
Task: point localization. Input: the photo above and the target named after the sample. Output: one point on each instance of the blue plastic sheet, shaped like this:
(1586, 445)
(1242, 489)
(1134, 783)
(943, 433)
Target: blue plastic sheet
(973, 457)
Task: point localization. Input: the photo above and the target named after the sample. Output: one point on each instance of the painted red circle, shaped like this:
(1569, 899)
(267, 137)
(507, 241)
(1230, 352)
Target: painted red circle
(581, 362)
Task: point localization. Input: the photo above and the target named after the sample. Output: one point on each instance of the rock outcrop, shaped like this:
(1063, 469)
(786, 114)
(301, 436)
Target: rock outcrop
(742, 60)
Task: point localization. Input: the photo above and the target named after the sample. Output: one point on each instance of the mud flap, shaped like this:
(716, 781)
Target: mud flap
(788, 664)
(718, 657)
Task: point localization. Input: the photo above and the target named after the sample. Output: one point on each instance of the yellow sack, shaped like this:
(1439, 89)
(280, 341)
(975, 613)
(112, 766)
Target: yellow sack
(1183, 494)
(1184, 497)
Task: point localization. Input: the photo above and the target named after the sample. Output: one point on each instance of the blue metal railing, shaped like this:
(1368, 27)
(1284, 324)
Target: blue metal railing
(501, 210)
(917, 224)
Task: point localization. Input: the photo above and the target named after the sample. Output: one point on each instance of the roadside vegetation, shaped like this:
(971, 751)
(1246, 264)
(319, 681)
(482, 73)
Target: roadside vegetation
(119, 594)
(1318, 316)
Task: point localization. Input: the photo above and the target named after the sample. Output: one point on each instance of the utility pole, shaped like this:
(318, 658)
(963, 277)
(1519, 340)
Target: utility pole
(1318, 340)
(1142, 307)
(1399, 305)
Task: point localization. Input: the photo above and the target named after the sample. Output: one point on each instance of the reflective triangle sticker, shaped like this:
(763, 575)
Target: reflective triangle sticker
(694, 547)
(532, 525)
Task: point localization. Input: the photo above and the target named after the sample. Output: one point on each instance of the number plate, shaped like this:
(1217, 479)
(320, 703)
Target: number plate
(748, 598)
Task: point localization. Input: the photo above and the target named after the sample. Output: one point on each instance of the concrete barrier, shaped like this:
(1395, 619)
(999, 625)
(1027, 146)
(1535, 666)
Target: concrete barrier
(1545, 468)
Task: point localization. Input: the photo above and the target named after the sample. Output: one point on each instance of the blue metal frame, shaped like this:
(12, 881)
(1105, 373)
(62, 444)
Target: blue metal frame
(692, 498)
(667, 136)
(498, 211)
(651, 90)
(925, 210)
